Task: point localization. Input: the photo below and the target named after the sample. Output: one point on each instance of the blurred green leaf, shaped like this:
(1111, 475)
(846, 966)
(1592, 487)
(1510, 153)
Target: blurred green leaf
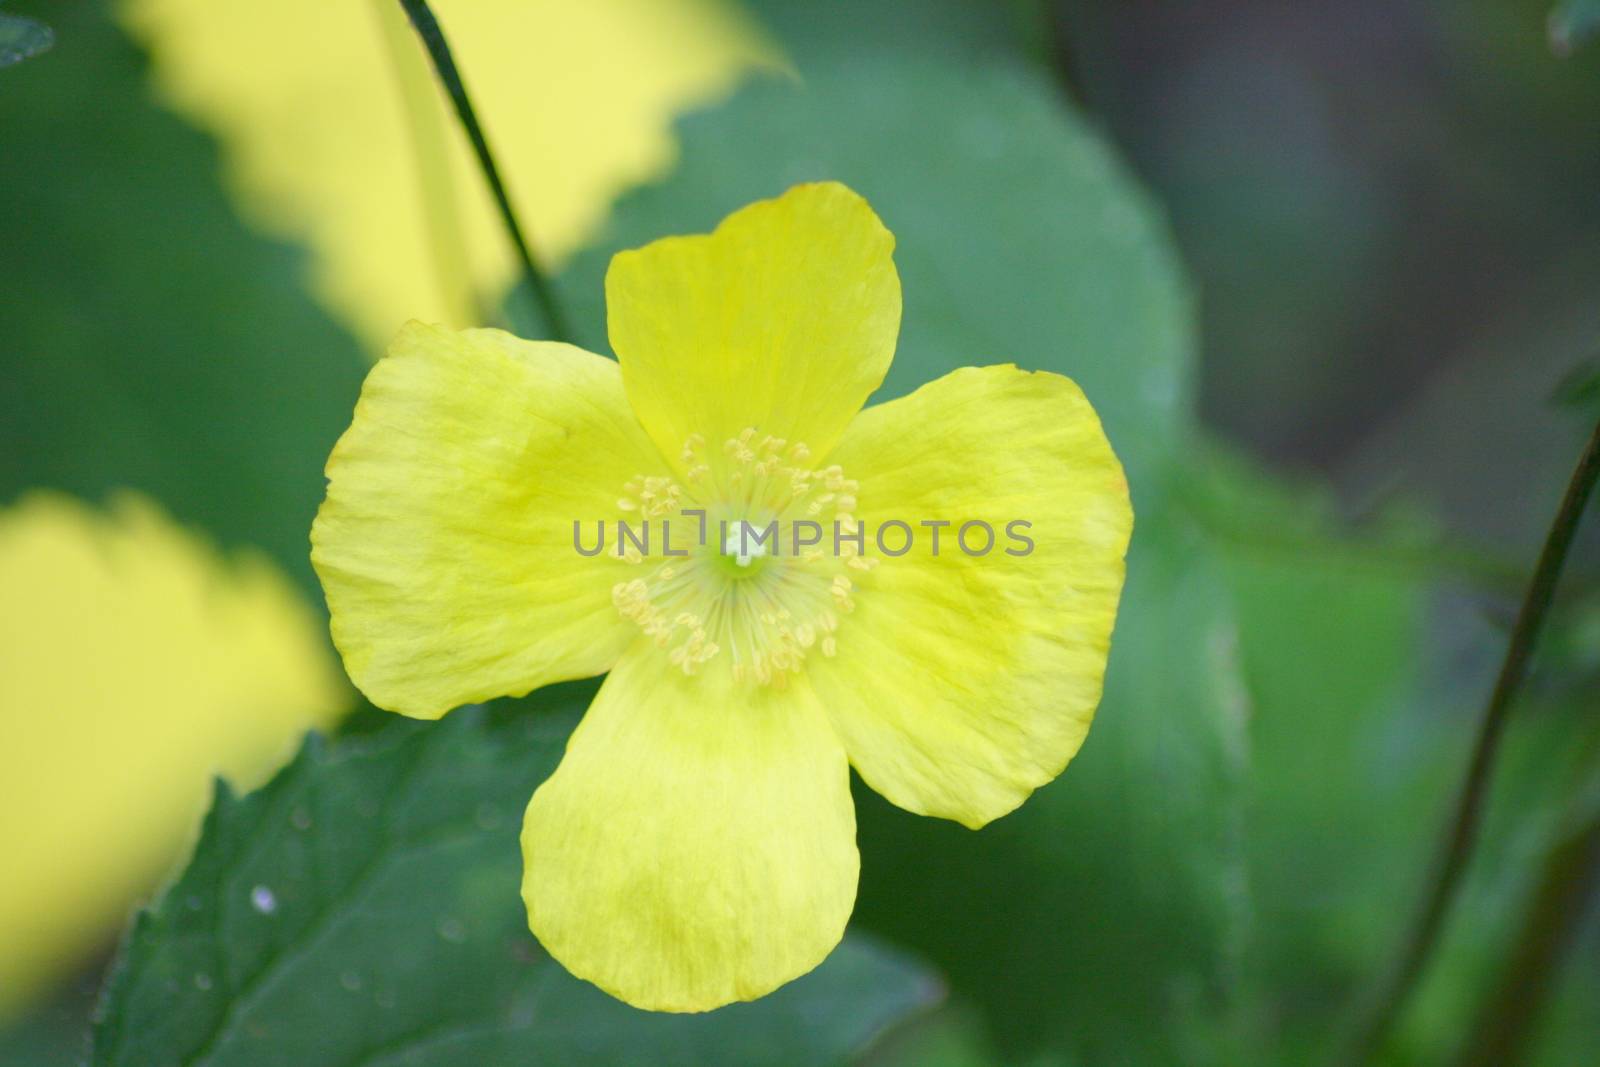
(1566, 1031)
(21, 38)
(164, 346)
(1360, 728)
(949, 1037)
(1106, 919)
(54, 1033)
(1019, 235)
(957, 31)
(1546, 785)
(1348, 771)
(1101, 919)
(1580, 387)
(1572, 24)
(363, 907)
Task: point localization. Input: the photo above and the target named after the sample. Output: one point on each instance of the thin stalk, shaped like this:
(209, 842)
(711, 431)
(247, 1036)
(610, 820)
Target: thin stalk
(1063, 57)
(1461, 831)
(1509, 1017)
(444, 64)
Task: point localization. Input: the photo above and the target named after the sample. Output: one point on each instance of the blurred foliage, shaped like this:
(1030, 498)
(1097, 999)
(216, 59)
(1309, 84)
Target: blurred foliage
(363, 907)
(1573, 23)
(21, 38)
(1366, 190)
(339, 138)
(1580, 387)
(1341, 781)
(165, 347)
(1547, 785)
(104, 770)
(1292, 688)
(151, 343)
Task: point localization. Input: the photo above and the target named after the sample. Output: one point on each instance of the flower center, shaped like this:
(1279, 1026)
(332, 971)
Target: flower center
(746, 562)
(744, 543)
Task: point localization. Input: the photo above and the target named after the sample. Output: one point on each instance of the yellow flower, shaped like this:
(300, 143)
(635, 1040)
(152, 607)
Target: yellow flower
(135, 663)
(696, 846)
(336, 135)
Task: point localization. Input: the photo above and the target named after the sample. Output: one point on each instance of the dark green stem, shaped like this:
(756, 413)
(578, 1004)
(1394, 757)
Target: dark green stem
(1512, 1010)
(1063, 57)
(1462, 829)
(428, 28)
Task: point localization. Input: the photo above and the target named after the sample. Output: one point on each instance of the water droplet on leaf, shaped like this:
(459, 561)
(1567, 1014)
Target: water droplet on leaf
(263, 900)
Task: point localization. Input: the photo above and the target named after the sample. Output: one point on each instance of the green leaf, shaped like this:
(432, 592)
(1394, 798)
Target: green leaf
(1572, 24)
(945, 1038)
(951, 30)
(1346, 772)
(1103, 917)
(1360, 731)
(1580, 387)
(54, 1033)
(1107, 916)
(159, 344)
(363, 908)
(1019, 235)
(22, 38)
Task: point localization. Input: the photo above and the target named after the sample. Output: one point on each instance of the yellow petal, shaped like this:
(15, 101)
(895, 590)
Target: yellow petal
(962, 683)
(445, 544)
(335, 132)
(697, 844)
(783, 319)
(135, 663)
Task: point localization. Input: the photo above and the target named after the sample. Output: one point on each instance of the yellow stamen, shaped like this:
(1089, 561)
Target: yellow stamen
(743, 598)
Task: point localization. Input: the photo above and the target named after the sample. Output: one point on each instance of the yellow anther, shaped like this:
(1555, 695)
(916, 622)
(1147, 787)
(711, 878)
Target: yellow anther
(762, 622)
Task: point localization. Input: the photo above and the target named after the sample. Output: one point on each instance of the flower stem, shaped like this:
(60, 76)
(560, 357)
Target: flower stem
(1506, 1024)
(1063, 57)
(432, 34)
(1462, 829)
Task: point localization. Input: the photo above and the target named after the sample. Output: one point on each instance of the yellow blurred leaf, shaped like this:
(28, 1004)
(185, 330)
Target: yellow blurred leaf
(336, 135)
(135, 663)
